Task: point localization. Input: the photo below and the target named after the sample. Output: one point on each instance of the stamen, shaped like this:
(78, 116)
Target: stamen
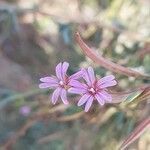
(61, 83)
(92, 90)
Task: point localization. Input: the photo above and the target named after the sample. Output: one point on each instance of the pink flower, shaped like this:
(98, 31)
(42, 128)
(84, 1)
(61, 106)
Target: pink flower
(93, 89)
(60, 82)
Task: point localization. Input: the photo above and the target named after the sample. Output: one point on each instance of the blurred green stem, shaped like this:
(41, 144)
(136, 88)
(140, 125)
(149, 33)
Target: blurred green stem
(12, 98)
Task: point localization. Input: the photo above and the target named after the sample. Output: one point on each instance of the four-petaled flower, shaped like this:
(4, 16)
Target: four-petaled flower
(93, 88)
(60, 82)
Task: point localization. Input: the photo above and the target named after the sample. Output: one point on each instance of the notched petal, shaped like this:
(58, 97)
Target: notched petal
(88, 104)
(77, 75)
(63, 96)
(65, 66)
(108, 84)
(83, 99)
(87, 77)
(49, 79)
(106, 96)
(44, 85)
(59, 71)
(76, 90)
(100, 99)
(77, 84)
(91, 74)
(106, 79)
(56, 95)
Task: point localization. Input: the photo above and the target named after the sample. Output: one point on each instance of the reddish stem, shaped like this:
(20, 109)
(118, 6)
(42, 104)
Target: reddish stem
(136, 133)
(105, 62)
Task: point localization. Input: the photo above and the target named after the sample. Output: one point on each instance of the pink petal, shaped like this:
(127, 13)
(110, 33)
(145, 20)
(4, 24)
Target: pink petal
(76, 90)
(89, 76)
(56, 95)
(106, 96)
(64, 96)
(88, 104)
(49, 79)
(83, 99)
(48, 85)
(77, 75)
(59, 71)
(65, 66)
(106, 79)
(77, 84)
(108, 84)
(100, 99)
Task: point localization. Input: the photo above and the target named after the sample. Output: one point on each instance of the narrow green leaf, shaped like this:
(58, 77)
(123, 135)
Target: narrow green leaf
(133, 96)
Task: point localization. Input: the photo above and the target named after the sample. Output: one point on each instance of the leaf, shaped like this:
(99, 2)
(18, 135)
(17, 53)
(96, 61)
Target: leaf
(118, 97)
(133, 96)
(139, 96)
(130, 97)
(136, 133)
(105, 62)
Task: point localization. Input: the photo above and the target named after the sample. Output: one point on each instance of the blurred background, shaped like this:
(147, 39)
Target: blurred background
(35, 35)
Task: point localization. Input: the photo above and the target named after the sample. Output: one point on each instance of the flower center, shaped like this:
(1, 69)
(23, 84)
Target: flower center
(92, 90)
(61, 83)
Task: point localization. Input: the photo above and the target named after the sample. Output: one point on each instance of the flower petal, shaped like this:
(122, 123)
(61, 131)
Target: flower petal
(76, 90)
(77, 75)
(106, 96)
(65, 66)
(59, 71)
(106, 79)
(49, 80)
(100, 99)
(88, 104)
(108, 84)
(56, 95)
(47, 85)
(89, 76)
(86, 77)
(77, 84)
(83, 99)
(63, 96)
